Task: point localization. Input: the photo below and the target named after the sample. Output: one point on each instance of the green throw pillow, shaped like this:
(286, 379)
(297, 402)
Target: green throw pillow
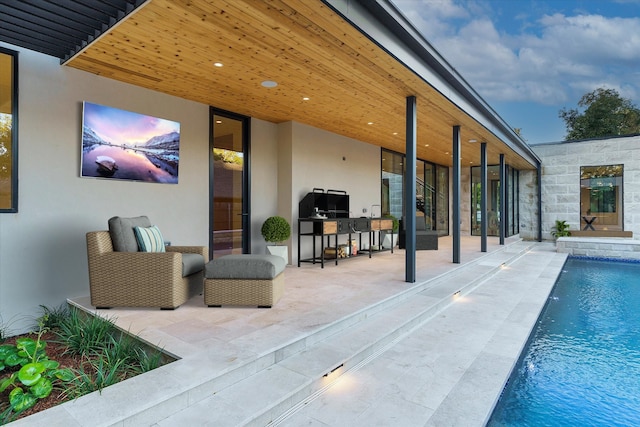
(149, 239)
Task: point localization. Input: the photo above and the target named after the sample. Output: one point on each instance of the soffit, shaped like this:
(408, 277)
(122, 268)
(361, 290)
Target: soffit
(61, 27)
(311, 51)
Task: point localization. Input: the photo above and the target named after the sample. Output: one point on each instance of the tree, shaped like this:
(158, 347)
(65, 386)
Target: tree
(606, 113)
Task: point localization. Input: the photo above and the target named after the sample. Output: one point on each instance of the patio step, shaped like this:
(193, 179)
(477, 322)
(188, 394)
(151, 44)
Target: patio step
(231, 388)
(269, 392)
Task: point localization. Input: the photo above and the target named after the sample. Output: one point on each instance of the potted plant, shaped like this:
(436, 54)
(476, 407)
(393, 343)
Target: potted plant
(561, 229)
(275, 230)
(386, 236)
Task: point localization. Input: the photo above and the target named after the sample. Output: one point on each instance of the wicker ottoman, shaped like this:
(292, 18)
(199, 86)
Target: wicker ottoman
(255, 280)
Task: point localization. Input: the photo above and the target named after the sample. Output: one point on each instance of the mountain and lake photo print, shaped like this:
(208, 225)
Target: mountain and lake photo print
(119, 144)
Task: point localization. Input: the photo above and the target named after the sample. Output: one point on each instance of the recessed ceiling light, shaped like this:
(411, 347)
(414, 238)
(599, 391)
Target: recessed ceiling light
(218, 64)
(305, 98)
(395, 133)
(218, 121)
(269, 84)
(370, 123)
(426, 145)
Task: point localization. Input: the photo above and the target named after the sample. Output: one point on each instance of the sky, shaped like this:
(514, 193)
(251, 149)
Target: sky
(120, 126)
(531, 58)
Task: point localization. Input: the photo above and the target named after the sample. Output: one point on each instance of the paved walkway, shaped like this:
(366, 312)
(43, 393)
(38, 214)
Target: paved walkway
(449, 371)
(446, 369)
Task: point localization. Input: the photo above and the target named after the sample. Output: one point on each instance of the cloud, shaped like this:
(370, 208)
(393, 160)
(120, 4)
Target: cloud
(433, 17)
(550, 58)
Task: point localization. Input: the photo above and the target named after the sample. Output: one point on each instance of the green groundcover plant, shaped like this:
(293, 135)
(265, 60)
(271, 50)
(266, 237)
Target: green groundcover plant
(99, 352)
(560, 229)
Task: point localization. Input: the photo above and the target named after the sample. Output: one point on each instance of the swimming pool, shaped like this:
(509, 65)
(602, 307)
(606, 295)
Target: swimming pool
(581, 366)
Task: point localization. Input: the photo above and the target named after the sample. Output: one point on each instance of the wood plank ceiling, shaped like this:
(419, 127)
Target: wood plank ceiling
(353, 87)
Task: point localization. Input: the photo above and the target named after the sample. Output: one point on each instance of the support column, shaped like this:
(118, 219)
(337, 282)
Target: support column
(456, 194)
(503, 199)
(539, 202)
(483, 197)
(410, 192)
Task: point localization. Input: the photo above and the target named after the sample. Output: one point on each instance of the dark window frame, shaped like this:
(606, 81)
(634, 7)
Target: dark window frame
(602, 172)
(14, 132)
(246, 176)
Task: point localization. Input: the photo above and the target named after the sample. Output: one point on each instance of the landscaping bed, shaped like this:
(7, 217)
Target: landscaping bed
(70, 354)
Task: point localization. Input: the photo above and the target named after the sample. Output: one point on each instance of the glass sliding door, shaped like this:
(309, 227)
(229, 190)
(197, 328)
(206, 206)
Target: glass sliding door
(432, 191)
(420, 190)
(493, 201)
(476, 197)
(442, 200)
(392, 184)
(513, 220)
(229, 184)
(430, 195)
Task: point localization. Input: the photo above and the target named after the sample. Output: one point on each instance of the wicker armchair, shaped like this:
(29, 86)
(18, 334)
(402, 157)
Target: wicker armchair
(141, 279)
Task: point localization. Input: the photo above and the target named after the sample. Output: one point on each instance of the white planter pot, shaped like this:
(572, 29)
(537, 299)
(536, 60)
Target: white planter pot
(281, 251)
(386, 240)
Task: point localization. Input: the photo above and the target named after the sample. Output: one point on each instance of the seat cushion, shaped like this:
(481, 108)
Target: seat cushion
(246, 266)
(192, 263)
(122, 235)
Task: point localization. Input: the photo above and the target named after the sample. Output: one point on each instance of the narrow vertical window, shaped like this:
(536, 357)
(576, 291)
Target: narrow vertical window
(8, 131)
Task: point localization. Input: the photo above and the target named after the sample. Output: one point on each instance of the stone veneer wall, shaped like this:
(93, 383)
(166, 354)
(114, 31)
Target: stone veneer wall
(600, 247)
(528, 202)
(561, 179)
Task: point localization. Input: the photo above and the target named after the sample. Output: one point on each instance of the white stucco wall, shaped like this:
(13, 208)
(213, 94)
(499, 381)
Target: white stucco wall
(328, 161)
(561, 178)
(43, 257)
(265, 158)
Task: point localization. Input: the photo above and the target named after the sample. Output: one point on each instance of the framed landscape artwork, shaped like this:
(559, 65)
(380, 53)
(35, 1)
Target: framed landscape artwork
(119, 144)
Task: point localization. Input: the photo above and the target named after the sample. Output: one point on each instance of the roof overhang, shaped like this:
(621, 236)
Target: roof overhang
(355, 60)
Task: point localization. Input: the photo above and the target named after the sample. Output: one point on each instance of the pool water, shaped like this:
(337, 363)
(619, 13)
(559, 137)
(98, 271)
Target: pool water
(581, 366)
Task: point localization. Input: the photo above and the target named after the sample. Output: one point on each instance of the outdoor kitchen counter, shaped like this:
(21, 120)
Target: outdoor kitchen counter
(319, 228)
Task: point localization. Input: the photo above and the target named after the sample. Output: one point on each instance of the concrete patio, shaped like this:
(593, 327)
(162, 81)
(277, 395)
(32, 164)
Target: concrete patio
(435, 352)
